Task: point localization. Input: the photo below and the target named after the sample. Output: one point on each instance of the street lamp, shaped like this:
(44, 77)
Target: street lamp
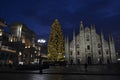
(40, 42)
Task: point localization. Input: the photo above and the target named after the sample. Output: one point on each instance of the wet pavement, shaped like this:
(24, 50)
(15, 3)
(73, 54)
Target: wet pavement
(56, 77)
(74, 72)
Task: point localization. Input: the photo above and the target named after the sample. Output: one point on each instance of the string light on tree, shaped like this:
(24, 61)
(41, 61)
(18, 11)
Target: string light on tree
(56, 42)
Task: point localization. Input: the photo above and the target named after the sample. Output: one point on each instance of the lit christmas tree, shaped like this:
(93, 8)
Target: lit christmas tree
(56, 43)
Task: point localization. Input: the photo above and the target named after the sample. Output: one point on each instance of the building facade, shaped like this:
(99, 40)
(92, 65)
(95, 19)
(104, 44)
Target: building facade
(8, 50)
(18, 46)
(20, 32)
(89, 47)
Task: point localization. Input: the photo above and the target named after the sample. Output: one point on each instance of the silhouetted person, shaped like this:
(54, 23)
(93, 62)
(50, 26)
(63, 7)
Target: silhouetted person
(71, 61)
(40, 64)
(10, 65)
(41, 70)
(85, 66)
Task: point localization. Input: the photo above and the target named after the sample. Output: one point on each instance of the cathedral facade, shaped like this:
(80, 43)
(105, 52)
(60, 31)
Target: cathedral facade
(89, 47)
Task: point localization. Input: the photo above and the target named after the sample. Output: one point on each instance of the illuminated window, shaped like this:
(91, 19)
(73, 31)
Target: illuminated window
(20, 53)
(35, 52)
(33, 45)
(23, 40)
(31, 55)
(11, 40)
(1, 32)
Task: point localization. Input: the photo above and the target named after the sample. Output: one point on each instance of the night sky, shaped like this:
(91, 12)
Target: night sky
(39, 15)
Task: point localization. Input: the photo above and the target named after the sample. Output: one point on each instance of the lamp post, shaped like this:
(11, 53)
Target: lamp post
(40, 42)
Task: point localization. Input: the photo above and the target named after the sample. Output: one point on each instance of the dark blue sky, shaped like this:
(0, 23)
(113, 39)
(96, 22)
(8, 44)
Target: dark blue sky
(39, 15)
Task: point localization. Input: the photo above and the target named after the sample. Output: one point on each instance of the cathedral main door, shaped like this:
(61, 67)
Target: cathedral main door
(89, 60)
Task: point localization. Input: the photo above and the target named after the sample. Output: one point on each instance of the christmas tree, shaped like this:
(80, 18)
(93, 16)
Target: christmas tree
(56, 43)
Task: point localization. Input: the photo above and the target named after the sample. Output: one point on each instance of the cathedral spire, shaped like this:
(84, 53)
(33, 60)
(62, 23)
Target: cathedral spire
(81, 25)
(101, 35)
(102, 38)
(67, 39)
(112, 49)
(93, 26)
(111, 38)
(74, 47)
(73, 34)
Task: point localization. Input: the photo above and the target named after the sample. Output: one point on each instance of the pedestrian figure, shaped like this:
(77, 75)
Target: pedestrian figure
(41, 70)
(40, 65)
(85, 66)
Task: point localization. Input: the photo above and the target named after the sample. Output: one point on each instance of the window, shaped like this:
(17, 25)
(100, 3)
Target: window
(99, 45)
(107, 52)
(1, 32)
(77, 45)
(23, 40)
(71, 53)
(99, 52)
(87, 37)
(88, 47)
(78, 53)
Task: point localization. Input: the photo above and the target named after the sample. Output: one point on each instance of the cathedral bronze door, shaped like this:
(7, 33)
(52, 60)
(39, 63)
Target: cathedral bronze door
(71, 61)
(108, 61)
(89, 60)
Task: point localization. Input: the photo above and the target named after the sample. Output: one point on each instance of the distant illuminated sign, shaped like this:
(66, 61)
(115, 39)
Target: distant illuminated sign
(41, 41)
(21, 63)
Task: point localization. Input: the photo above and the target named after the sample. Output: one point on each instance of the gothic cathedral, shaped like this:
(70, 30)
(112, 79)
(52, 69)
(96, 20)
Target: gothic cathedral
(89, 47)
